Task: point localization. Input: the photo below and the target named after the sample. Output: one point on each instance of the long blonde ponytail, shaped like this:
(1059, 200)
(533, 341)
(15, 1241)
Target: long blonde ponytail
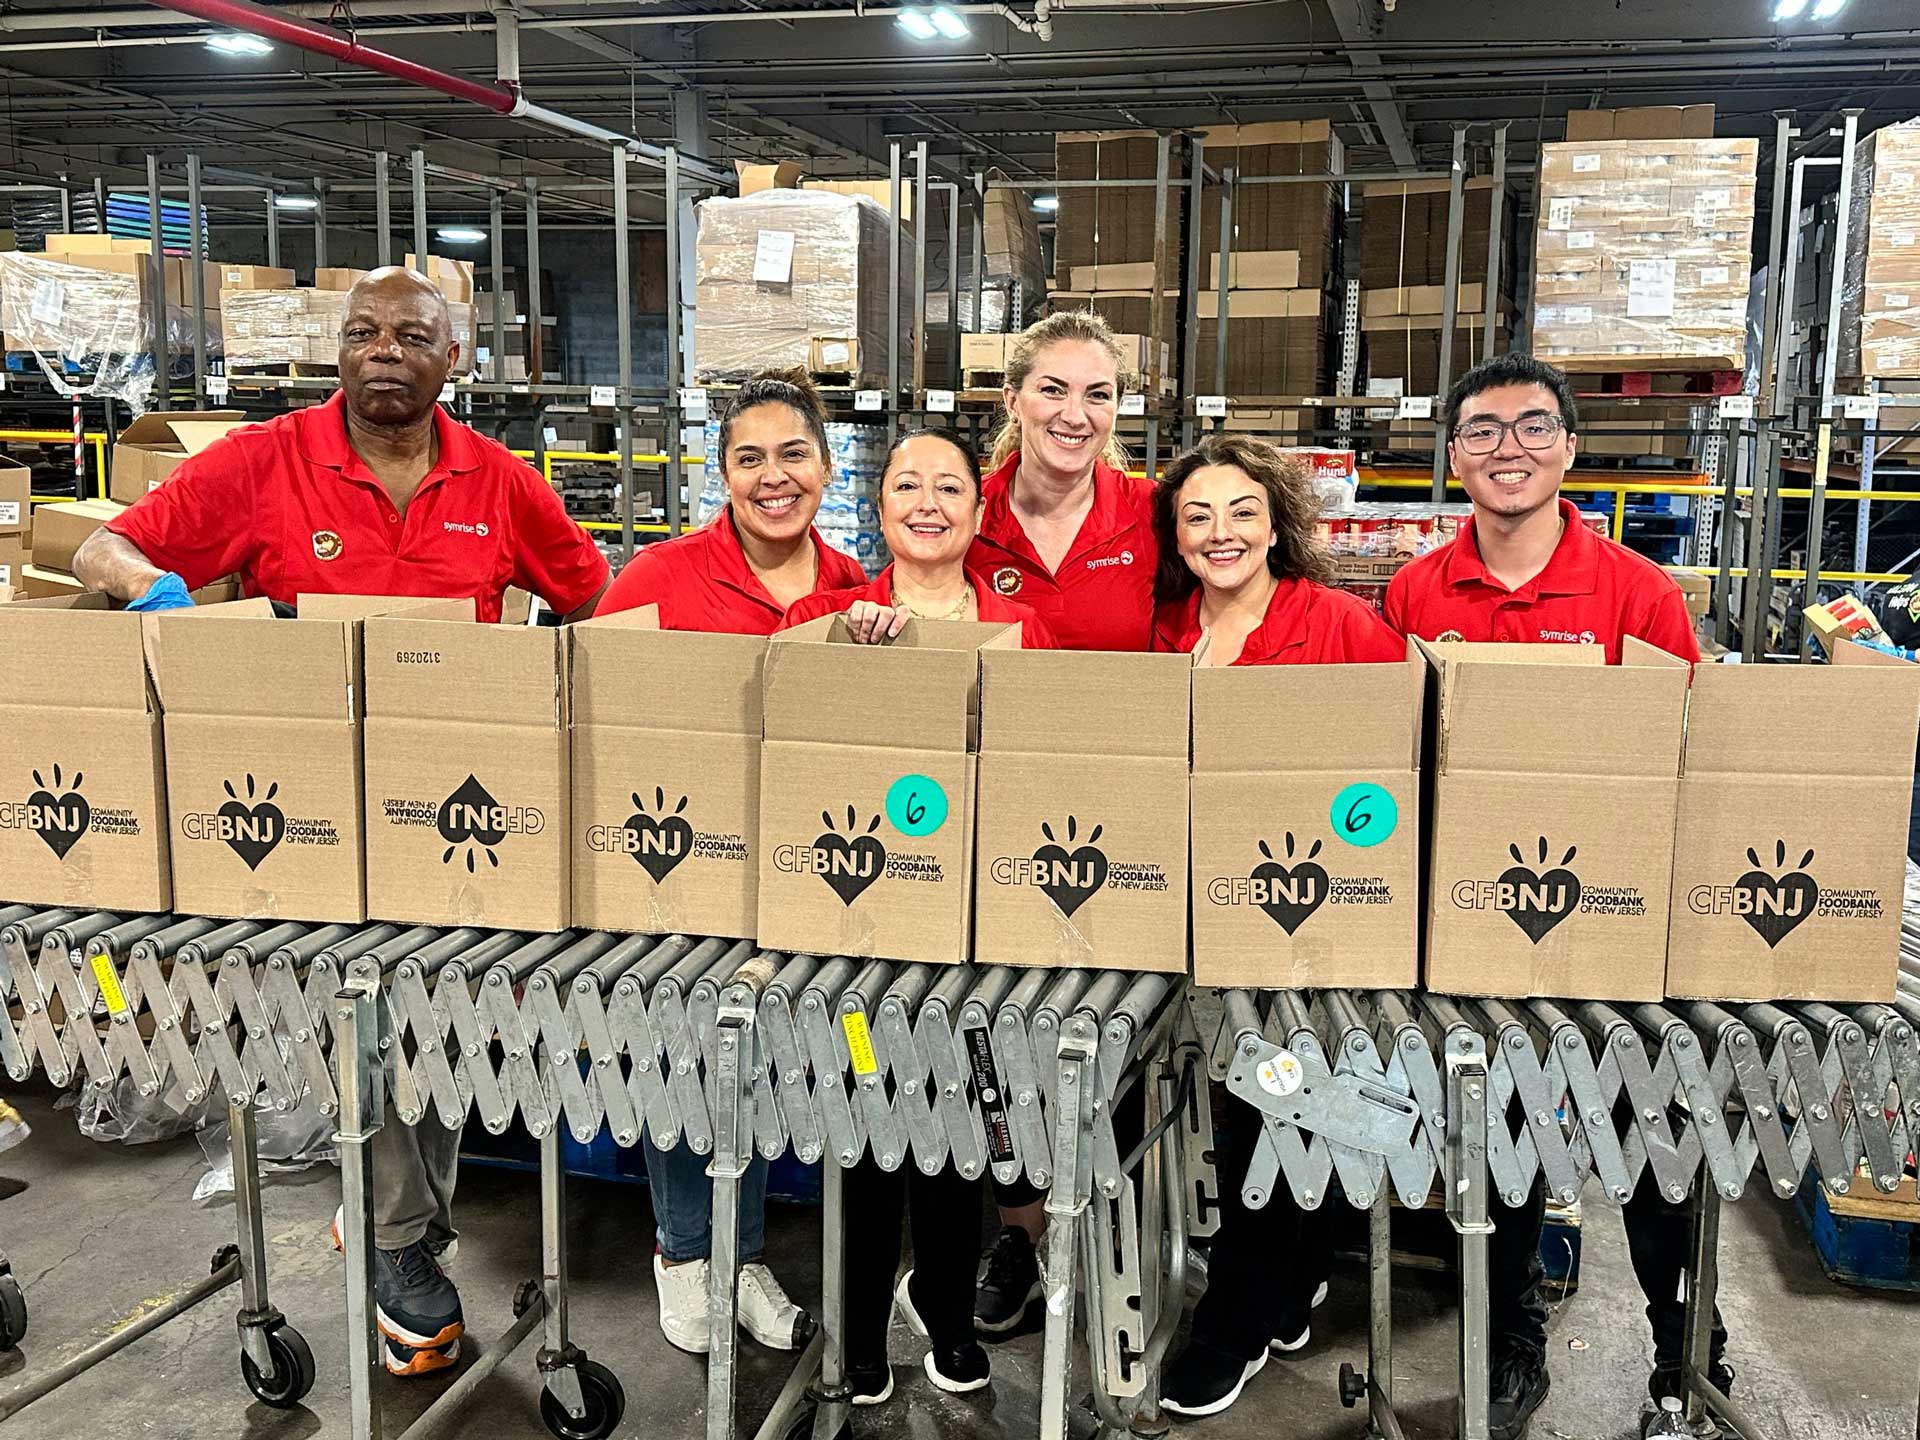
(1081, 325)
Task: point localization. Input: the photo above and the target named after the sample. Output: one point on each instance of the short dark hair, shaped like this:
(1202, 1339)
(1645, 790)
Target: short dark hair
(1292, 503)
(1513, 368)
(952, 437)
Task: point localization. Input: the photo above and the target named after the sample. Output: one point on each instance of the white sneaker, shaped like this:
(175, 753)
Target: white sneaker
(1319, 1297)
(683, 1304)
(765, 1311)
(13, 1127)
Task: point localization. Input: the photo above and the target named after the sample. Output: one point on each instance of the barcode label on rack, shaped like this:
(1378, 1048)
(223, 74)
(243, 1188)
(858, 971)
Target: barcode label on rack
(940, 401)
(600, 395)
(1736, 407)
(1415, 407)
(1133, 404)
(1210, 407)
(869, 399)
(693, 404)
(216, 387)
(1861, 407)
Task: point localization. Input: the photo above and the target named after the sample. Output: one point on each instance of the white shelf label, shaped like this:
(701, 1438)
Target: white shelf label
(1210, 407)
(600, 395)
(551, 436)
(216, 387)
(869, 399)
(522, 389)
(773, 257)
(940, 401)
(1133, 404)
(446, 394)
(693, 404)
(1415, 407)
(1861, 407)
(1736, 407)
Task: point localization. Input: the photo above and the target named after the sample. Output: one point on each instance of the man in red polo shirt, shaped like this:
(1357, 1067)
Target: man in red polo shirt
(1526, 569)
(376, 492)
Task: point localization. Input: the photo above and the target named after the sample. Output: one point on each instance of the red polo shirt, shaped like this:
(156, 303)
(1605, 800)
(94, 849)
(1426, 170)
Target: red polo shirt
(988, 607)
(293, 509)
(701, 581)
(1305, 624)
(1592, 592)
(1101, 598)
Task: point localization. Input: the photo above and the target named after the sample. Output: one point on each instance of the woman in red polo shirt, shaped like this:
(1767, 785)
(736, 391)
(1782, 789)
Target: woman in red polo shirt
(1240, 573)
(930, 502)
(738, 574)
(1241, 565)
(1065, 530)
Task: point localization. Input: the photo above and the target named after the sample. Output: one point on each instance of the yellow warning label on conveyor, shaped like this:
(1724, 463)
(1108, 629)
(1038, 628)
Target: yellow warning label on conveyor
(859, 1044)
(109, 985)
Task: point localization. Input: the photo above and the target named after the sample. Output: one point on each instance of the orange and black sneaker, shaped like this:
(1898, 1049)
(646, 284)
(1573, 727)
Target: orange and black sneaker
(415, 1304)
(407, 1360)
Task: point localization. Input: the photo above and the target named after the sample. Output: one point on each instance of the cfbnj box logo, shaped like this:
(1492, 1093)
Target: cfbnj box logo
(1537, 895)
(1071, 877)
(658, 840)
(470, 820)
(60, 813)
(1776, 900)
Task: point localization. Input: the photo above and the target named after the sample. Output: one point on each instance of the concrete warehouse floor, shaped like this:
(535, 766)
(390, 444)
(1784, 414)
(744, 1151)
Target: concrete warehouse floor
(103, 1231)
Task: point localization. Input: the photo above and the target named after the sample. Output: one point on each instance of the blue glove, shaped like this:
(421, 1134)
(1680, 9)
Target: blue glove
(169, 592)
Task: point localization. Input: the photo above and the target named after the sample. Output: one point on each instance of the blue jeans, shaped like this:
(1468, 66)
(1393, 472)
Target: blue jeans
(683, 1204)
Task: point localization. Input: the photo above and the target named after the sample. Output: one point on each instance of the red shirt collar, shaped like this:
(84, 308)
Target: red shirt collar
(322, 438)
(1572, 569)
(1283, 628)
(727, 562)
(1001, 527)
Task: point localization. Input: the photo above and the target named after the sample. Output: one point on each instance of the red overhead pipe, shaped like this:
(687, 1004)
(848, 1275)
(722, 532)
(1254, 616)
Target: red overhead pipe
(325, 40)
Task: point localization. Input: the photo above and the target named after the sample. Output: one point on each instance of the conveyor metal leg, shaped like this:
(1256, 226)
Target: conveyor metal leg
(731, 1152)
(362, 1086)
(1467, 1209)
(832, 1417)
(1067, 1200)
(1380, 1315)
(558, 1360)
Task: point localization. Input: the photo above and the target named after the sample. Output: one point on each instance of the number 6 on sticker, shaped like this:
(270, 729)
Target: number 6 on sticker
(916, 805)
(1364, 814)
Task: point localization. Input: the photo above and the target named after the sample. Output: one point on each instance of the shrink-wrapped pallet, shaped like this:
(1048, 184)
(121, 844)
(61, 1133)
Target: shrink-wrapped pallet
(1880, 301)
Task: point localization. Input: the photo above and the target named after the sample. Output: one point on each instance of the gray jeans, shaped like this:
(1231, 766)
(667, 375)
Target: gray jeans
(414, 1168)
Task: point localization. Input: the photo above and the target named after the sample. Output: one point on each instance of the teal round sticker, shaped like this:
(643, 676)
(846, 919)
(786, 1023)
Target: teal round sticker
(1364, 814)
(916, 805)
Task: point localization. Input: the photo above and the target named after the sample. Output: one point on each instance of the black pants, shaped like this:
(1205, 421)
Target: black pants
(1659, 1242)
(1266, 1263)
(944, 1211)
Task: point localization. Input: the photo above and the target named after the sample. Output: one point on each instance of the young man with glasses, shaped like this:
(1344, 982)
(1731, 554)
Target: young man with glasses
(1525, 569)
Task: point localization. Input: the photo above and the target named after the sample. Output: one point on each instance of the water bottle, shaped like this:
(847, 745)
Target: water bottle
(1671, 1420)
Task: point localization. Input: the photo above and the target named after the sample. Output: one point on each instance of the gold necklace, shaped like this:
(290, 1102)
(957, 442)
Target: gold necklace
(958, 612)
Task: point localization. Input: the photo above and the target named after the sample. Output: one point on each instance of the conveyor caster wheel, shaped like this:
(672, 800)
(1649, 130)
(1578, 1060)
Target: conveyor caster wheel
(13, 1312)
(526, 1297)
(1353, 1386)
(802, 1428)
(605, 1403)
(292, 1375)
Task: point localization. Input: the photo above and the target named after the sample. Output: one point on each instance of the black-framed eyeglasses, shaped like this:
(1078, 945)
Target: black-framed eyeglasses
(1534, 432)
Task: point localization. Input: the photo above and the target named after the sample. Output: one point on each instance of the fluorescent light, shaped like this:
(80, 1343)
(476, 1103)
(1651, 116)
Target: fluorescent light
(296, 202)
(952, 26)
(238, 42)
(1047, 203)
(460, 234)
(916, 24)
(1789, 9)
(1827, 9)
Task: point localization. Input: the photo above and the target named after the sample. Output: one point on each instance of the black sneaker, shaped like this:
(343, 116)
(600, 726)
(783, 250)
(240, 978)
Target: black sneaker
(1518, 1387)
(959, 1369)
(871, 1384)
(1291, 1344)
(1206, 1380)
(1009, 1284)
(415, 1303)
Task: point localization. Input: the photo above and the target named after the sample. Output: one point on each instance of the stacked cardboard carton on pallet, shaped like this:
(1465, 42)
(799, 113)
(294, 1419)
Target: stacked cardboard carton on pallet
(300, 327)
(1879, 317)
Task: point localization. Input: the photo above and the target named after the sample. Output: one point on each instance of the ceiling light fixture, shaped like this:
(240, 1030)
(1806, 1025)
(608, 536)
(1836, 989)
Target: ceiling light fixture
(238, 42)
(1788, 10)
(1046, 203)
(953, 26)
(916, 23)
(1827, 9)
(296, 202)
(460, 234)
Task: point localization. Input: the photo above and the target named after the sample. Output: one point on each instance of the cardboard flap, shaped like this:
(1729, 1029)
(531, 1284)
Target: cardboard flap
(162, 429)
(920, 692)
(1561, 718)
(624, 671)
(252, 664)
(1065, 702)
(1754, 720)
(426, 668)
(1855, 654)
(359, 607)
(74, 653)
(197, 435)
(1307, 717)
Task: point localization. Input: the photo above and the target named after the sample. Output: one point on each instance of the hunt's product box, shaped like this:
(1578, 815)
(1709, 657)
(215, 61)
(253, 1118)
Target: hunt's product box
(1790, 862)
(263, 757)
(1551, 855)
(867, 789)
(466, 771)
(155, 445)
(1082, 853)
(1306, 853)
(666, 777)
(83, 796)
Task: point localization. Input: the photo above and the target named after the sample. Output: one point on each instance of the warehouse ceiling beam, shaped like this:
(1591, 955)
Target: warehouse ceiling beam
(1354, 20)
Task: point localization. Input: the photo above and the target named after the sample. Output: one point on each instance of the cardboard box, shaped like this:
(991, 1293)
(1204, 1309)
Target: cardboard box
(1550, 861)
(782, 175)
(831, 354)
(1259, 304)
(1643, 122)
(1133, 275)
(1844, 618)
(1257, 270)
(867, 789)
(878, 191)
(338, 278)
(34, 583)
(466, 771)
(15, 555)
(263, 758)
(16, 499)
(152, 447)
(83, 800)
(60, 528)
(454, 277)
(1421, 300)
(1306, 857)
(666, 777)
(1082, 851)
(984, 352)
(1789, 865)
(255, 277)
